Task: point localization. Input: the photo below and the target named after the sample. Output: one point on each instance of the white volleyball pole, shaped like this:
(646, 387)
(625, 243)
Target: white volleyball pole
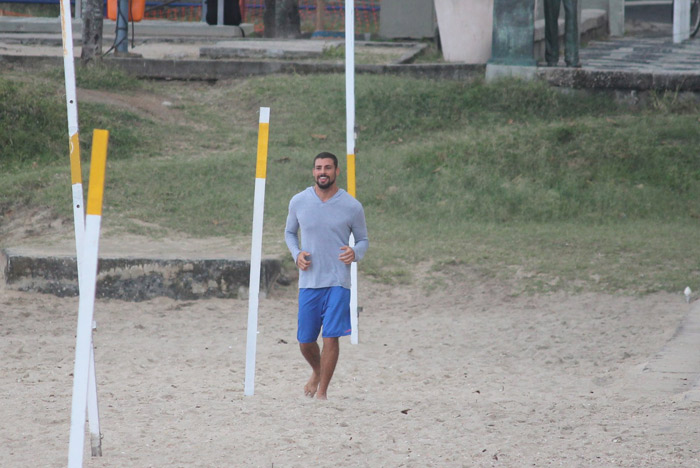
(350, 139)
(78, 205)
(256, 250)
(93, 412)
(86, 305)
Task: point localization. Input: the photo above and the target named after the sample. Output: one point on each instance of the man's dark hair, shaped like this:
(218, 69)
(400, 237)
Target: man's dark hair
(326, 155)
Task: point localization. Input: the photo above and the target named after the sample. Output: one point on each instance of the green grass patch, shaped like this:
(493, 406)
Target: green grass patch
(37, 10)
(98, 75)
(513, 181)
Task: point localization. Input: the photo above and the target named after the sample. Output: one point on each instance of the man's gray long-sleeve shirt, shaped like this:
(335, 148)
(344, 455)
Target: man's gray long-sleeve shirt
(325, 228)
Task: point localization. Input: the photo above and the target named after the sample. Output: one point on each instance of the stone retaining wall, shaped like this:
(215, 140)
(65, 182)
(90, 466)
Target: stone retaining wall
(138, 279)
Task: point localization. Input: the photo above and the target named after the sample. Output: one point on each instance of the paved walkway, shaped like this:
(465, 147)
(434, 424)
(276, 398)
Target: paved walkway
(646, 55)
(675, 369)
(634, 63)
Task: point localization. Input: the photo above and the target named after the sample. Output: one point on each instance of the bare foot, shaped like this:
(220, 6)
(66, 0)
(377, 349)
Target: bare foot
(312, 385)
(321, 396)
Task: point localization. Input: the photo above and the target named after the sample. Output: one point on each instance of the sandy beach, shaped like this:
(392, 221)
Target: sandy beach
(463, 375)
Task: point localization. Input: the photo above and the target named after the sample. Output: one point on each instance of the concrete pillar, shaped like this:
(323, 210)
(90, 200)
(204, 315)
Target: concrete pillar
(513, 32)
(465, 29)
(513, 48)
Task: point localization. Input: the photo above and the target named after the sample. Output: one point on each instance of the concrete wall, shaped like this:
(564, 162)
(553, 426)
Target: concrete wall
(137, 279)
(412, 19)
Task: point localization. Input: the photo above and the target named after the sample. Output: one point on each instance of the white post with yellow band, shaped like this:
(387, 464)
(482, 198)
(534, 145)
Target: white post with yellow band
(350, 139)
(72, 112)
(86, 305)
(256, 250)
(78, 210)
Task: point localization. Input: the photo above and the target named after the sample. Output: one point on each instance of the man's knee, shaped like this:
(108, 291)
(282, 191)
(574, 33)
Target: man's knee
(331, 341)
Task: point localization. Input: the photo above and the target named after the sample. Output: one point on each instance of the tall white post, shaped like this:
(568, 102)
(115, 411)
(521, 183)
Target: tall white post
(350, 139)
(256, 250)
(78, 205)
(86, 304)
(350, 80)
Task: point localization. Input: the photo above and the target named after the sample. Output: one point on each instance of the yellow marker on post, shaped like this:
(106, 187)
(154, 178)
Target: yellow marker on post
(86, 305)
(97, 173)
(256, 250)
(75, 175)
(263, 137)
(351, 175)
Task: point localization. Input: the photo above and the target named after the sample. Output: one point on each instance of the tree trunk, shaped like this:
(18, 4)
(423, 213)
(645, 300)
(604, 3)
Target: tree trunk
(92, 31)
(320, 15)
(282, 19)
(288, 20)
(269, 18)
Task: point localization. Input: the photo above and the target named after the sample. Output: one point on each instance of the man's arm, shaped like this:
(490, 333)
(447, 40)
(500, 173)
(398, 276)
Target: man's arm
(291, 233)
(359, 231)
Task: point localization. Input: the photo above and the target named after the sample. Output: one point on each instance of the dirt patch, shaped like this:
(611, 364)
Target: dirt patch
(40, 232)
(154, 106)
(19, 225)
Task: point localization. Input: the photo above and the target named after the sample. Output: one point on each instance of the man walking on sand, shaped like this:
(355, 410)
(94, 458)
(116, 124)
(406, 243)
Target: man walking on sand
(326, 215)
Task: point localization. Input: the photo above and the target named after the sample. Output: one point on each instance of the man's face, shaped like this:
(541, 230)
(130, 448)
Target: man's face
(325, 172)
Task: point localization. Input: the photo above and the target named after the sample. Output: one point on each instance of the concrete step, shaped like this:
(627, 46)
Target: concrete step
(137, 279)
(299, 49)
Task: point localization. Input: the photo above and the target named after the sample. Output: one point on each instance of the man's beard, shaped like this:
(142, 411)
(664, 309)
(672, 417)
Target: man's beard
(326, 185)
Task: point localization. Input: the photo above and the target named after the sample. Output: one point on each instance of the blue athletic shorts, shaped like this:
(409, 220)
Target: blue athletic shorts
(327, 308)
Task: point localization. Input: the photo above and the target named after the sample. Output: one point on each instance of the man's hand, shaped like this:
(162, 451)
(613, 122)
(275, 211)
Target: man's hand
(347, 255)
(303, 260)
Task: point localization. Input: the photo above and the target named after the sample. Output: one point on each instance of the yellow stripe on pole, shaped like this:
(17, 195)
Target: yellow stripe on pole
(263, 135)
(351, 175)
(97, 172)
(75, 176)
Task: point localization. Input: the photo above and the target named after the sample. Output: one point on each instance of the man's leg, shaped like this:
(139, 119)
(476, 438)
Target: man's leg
(551, 31)
(329, 358)
(312, 354)
(308, 328)
(571, 36)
